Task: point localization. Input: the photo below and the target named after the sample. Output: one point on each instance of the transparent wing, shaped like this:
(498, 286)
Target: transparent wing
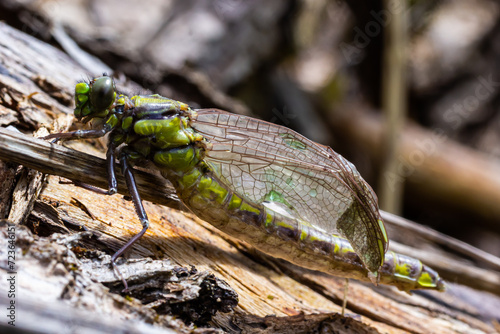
(268, 163)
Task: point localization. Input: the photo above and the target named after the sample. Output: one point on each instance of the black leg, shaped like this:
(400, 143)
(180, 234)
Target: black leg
(78, 134)
(110, 158)
(139, 209)
(87, 186)
(112, 184)
(110, 161)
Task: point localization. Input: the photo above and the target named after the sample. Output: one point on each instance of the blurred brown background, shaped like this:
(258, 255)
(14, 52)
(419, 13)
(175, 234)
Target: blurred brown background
(409, 93)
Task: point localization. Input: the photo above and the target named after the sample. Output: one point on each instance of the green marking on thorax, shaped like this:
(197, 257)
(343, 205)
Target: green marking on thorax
(167, 105)
(121, 100)
(127, 122)
(167, 132)
(178, 159)
(118, 139)
(190, 178)
(112, 121)
(133, 156)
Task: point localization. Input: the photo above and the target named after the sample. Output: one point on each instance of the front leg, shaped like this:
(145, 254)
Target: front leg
(78, 134)
(110, 157)
(112, 183)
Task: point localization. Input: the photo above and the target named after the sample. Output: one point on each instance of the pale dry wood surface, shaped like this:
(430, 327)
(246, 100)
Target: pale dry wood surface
(265, 286)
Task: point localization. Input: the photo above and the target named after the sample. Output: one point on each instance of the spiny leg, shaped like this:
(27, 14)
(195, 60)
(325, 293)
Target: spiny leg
(110, 167)
(112, 184)
(110, 158)
(110, 164)
(78, 134)
(139, 209)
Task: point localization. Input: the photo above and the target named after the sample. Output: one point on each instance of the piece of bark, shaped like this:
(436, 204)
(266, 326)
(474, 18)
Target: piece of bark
(185, 240)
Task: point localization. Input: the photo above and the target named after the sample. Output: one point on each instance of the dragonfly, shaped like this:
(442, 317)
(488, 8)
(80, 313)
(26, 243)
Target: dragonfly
(263, 183)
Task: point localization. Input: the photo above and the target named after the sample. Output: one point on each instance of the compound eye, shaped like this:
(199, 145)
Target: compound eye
(103, 93)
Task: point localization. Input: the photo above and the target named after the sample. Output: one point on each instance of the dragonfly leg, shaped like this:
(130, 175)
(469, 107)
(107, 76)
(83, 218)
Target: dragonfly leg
(139, 209)
(112, 184)
(87, 186)
(78, 134)
(110, 162)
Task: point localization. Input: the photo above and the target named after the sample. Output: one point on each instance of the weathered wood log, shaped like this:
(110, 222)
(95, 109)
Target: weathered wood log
(56, 272)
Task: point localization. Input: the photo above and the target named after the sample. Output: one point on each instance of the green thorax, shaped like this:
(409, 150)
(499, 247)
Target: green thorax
(156, 128)
(152, 127)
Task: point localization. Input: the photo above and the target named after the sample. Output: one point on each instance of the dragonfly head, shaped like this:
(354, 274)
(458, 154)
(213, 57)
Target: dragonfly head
(93, 99)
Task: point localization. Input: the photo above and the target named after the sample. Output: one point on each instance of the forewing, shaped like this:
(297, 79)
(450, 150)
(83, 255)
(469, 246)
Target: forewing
(258, 159)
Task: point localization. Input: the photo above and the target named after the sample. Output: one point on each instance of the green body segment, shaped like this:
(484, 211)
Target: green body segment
(252, 180)
(290, 239)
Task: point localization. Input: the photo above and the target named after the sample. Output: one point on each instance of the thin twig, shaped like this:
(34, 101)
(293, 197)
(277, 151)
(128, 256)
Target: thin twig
(394, 105)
